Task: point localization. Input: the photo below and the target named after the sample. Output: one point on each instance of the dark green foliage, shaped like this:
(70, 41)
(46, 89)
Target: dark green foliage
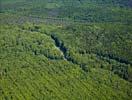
(65, 50)
(83, 11)
(23, 66)
(99, 45)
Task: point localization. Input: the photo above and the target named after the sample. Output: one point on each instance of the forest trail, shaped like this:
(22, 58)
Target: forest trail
(62, 53)
(59, 47)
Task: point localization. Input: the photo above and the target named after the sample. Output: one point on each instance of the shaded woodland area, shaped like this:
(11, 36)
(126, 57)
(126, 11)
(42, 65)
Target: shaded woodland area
(65, 50)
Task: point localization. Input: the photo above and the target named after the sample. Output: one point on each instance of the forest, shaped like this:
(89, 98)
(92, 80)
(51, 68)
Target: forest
(65, 50)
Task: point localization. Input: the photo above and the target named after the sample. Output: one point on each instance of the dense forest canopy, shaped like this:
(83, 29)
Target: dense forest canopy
(65, 49)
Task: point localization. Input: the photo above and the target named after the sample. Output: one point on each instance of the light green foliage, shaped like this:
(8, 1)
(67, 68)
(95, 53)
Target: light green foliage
(65, 50)
(27, 73)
